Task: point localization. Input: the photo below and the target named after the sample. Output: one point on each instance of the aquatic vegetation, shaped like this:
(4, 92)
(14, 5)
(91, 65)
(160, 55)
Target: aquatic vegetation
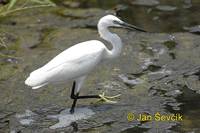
(2, 42)
(16, 5)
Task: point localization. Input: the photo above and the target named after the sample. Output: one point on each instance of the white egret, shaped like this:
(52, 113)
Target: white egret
(76, 62)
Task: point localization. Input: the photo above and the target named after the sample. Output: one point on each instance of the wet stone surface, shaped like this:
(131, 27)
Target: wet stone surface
(193, 29)
(166, 8)
(146, 2)
(156, 72)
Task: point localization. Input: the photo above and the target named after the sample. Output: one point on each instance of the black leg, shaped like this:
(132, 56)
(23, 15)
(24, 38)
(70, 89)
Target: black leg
(76, 97)
(73, 96)
(88, 96)
(74, 104)
(73, 90)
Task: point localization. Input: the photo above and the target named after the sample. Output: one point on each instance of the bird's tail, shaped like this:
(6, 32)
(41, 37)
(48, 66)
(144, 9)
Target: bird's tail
(36, 79)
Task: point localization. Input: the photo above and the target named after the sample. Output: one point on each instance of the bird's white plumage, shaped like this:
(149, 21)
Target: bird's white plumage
(77, 61)
(72, 63)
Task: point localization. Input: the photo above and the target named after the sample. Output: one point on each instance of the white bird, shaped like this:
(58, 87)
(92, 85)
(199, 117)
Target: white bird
(76, 62)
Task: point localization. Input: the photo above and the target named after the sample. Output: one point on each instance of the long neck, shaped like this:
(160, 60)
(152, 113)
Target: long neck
(114, 39)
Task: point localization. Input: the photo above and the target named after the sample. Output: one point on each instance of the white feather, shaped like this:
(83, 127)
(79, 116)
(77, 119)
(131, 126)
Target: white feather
(72, 63)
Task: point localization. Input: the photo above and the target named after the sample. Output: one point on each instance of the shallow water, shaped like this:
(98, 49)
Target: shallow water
(66, 118)
(157, 72)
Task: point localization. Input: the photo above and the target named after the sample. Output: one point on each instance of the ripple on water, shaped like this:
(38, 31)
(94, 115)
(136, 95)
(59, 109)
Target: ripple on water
(65, 118)
(26, 118)
(126, 80)
(163, 71)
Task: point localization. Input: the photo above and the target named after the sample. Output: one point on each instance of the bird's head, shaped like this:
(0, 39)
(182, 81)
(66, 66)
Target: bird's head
(113, 21)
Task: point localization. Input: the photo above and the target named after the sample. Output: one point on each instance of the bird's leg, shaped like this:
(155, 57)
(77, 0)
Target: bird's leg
(74, 103)
(100, 97)
(76, 97)
(73, 96)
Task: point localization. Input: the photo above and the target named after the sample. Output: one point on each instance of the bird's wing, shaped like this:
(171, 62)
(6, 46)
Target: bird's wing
(73, 69)
(73, 62)
(75, 53)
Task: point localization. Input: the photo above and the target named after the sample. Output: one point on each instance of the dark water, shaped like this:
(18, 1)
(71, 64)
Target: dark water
(153, 15)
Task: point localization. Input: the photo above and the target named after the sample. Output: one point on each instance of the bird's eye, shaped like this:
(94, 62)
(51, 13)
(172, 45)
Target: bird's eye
(115, 22)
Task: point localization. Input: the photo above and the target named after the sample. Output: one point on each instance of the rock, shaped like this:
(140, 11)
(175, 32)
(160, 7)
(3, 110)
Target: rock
(166, 8)
(194, 29)
(71, 4)
(146, 2)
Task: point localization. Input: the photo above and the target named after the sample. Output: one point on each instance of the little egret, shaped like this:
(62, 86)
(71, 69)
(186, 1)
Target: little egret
(76, 62)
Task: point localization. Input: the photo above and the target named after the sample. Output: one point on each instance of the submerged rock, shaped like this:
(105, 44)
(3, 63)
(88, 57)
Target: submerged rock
(130, 81)
(194, 29)
(146, 2)
(166, 8)
(66, 118)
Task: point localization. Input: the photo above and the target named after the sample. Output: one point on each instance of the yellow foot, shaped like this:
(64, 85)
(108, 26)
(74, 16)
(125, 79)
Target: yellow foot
(107, 98)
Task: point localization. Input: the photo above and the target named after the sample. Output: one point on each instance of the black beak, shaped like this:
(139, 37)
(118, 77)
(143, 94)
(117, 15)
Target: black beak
(129, 26)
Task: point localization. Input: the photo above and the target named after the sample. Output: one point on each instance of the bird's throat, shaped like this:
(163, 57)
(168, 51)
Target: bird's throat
(115, 41)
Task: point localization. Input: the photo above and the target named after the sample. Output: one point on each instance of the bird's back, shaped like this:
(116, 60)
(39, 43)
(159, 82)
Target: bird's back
(74, 62)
